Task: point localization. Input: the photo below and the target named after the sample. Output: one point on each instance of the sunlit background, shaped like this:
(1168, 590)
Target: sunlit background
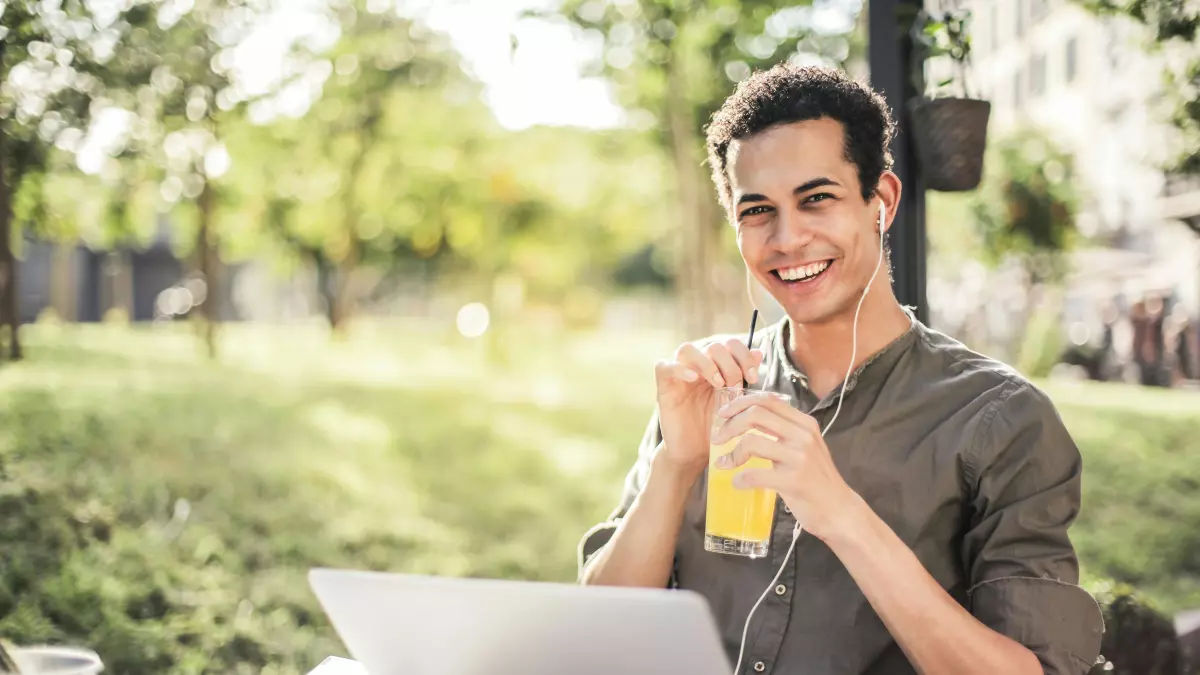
(380, 284)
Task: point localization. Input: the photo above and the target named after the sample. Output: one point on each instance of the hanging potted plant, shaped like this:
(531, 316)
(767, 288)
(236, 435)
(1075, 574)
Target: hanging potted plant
(949, 124)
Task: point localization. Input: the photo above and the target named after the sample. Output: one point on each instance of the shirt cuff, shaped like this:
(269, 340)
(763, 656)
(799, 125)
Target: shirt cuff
(1059, 622)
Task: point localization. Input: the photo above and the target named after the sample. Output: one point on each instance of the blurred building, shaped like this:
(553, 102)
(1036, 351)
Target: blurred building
(151, 282)
(83, 283)
(1090, 82)
(1092, 85)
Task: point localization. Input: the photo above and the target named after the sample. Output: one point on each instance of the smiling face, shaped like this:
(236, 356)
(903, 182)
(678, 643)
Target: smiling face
(803, 227)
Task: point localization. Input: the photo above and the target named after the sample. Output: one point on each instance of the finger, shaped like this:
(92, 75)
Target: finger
(753, 445)
(748, 479)
(691, 356)
(746, 358)
(731, 372)
(773, 402)
(757, 418)
(672, 370)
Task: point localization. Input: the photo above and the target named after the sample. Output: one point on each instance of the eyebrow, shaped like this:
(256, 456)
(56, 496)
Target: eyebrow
(800, 189)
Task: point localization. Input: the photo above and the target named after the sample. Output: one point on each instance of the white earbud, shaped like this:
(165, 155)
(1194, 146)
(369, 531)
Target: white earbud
(882, 218)
(849, 369)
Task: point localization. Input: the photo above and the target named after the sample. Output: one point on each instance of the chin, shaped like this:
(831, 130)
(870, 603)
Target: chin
(811, 314)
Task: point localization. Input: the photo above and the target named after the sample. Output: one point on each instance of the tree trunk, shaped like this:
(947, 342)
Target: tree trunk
(9, 310)
(62, 286)
(119, 264)
(344, 291)
(341, 304)
(326, 287)
(694, 255)
(206, 263)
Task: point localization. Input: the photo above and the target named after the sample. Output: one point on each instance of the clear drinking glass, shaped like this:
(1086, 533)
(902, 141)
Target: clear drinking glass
(737, 522)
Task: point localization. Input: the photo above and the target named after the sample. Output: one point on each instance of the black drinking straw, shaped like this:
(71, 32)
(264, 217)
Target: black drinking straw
(750, 339)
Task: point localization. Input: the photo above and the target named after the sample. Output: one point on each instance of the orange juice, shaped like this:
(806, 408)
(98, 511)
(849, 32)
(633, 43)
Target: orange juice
(737, 521)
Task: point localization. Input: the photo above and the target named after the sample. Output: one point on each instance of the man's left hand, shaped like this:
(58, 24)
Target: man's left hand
(803, 472)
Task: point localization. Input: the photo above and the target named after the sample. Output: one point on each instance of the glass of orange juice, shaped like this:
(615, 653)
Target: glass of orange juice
(737, 522)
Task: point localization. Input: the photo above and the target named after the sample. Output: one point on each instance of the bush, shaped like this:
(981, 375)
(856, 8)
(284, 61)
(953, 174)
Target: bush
(1138, 640)
(1042, 344)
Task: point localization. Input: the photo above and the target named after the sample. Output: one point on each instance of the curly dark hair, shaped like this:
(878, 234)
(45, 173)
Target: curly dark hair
(788, 93)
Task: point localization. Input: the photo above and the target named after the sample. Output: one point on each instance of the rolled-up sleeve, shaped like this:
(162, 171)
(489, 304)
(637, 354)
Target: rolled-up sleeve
(599, 535)
(1024, 474)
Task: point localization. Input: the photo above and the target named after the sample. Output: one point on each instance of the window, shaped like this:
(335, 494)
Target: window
(1018, 89)
(1037, 75)
(1114, 47)
(995, 27)
(1072, 59)
(1019, 5)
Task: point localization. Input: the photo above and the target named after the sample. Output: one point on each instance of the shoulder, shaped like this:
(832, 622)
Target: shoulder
(971, 374)
(943, 357)
(1011, 413)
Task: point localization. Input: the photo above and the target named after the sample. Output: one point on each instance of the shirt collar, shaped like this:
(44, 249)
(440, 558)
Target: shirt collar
(889, 353)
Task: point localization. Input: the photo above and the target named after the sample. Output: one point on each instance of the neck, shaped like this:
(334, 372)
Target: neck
(823, 350)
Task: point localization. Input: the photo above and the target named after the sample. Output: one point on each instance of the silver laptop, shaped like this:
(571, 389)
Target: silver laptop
(396, 624)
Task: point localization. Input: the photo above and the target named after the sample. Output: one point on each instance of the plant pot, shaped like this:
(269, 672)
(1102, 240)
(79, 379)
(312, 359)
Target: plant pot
(951, 136)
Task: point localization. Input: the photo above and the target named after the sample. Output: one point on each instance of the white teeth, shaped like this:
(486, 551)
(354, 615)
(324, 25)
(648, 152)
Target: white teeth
(803, 272)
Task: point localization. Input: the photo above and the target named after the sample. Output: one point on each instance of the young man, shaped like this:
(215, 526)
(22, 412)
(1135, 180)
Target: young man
(935, 510)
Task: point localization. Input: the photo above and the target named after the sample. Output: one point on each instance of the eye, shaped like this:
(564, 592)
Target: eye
(819, 197)
(754, 211)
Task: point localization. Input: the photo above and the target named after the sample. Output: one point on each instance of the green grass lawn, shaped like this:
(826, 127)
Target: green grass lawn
(163, 509)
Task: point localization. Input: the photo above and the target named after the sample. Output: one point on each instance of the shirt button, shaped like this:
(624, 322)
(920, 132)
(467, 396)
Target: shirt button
(787, 509)
(759, 666)
(780, 589)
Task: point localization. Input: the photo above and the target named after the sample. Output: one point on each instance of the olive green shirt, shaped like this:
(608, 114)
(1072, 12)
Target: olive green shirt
(964, 459)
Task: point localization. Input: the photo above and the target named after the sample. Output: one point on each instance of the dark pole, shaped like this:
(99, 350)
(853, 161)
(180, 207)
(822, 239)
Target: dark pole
(891, 57)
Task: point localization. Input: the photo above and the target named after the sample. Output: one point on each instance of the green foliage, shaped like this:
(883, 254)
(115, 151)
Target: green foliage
(59, 62)
(1042, 343)
(1027, 204)
(1171, 19)
(369, 171)
(601, 196)
(944, 35)
(398, 167)
(707, 44)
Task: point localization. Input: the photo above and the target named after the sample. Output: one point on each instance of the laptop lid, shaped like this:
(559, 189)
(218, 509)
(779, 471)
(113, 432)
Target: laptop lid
(396, 624)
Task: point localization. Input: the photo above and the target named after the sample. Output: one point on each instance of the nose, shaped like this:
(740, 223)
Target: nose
(790, 233)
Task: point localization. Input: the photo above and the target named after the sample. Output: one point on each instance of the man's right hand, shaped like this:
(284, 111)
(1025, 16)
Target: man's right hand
(685, 396)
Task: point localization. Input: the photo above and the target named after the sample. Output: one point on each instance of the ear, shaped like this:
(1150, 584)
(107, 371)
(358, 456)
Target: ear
(888, 192)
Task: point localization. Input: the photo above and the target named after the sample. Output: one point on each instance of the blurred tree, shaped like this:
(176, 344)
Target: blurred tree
(378, 168)
(674, 62)
(1025, 212)
(399, 171)
(195, 93)
(604, 200)
(60, 64)
(1026, 209)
